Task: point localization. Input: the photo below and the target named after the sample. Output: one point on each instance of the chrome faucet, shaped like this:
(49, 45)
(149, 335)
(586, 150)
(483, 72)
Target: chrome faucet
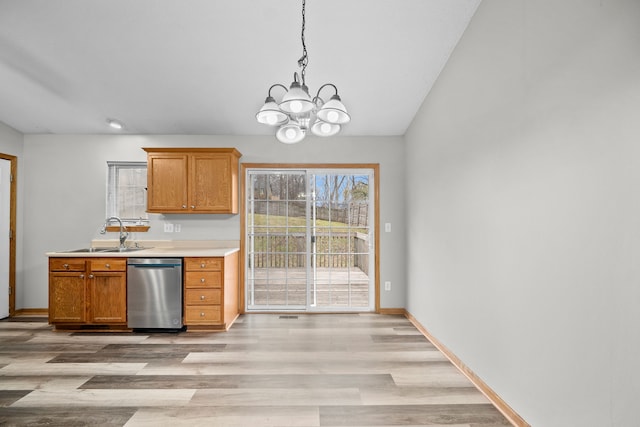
(123, 231)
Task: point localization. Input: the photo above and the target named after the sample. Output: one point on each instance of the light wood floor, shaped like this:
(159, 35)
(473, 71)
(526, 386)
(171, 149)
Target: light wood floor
(268, 370)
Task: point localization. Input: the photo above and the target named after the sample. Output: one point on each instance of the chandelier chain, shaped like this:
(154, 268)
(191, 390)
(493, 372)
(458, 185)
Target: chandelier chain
(298, 113)
(304, 60)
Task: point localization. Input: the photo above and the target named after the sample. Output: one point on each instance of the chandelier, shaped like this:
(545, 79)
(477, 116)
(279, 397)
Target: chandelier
(297, 112)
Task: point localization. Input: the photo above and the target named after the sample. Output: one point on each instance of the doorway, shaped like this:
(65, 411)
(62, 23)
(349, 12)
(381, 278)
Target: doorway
(310, 239)
(7, 235)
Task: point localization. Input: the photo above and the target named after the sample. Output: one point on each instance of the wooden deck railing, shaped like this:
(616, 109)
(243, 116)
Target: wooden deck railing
(280, 250)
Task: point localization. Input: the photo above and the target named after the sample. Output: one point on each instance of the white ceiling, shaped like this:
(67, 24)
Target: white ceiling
(204, 66)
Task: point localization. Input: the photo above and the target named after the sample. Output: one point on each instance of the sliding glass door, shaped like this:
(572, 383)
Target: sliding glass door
(309, 240)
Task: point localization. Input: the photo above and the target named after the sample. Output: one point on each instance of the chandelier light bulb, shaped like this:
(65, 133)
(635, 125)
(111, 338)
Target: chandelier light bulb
(324, 129)
(297, 100)
(296, 106)
(290, 133)
(334, 111)
(270, 114)
(332, 116)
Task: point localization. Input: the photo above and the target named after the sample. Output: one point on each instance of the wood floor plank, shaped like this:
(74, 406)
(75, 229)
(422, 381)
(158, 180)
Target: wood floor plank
(8, 396)
(133, 353)
(477, 415)
(241, 381)
(275, 397)
(68, 417)
(283, 357)
(106, 398)
(227, 416)
(42, 382)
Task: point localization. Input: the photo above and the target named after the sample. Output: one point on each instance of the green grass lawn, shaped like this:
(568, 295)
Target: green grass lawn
(296, 224)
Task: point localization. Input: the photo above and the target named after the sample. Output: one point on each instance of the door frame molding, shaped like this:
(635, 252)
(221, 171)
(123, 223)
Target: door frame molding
(12, 229)
(376, 223)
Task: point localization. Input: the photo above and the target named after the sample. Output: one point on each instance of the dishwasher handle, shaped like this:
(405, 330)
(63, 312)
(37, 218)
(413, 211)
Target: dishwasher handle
(154, 265)
(154, 262)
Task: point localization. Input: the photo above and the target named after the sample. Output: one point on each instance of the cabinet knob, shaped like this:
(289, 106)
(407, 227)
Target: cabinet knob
(91, 276)
(202, 280)
(184, 206)
(107, 265)
(201, 297)
(203, 265)
(202, 314)
(193, 206)
(65, 266)
(82, 276)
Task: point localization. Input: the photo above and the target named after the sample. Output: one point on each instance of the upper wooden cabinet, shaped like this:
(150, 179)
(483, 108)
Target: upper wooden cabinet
(192, 180)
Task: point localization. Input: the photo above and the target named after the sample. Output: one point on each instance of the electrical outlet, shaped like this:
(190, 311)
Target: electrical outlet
(177, 228)
(168, 228)
(387, 286)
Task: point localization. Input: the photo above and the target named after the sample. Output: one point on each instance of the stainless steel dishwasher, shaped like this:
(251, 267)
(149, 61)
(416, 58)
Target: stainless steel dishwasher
(154, 293)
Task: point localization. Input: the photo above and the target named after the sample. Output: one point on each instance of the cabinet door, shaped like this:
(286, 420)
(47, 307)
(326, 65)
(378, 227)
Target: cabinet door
(167, 176)
(67, 297)
(211, 179)
(108, 297)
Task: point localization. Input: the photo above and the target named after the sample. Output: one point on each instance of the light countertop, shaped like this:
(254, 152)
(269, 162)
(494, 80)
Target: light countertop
(156, 248)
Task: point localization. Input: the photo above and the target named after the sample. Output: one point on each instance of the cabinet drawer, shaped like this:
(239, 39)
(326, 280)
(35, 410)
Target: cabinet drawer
(66, 264)
(203, 279)
(203, 314)
(108, 264)
(210, 264)
(202, 296)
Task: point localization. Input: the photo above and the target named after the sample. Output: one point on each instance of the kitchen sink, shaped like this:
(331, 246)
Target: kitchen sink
(87, 250)
(124, 250)
(102, 250)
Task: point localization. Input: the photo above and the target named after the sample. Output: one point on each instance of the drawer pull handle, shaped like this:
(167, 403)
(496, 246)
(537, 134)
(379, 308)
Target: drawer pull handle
(202, 280)
(107, 265)
(202, 314)
(201, 297)
(202, 265)
(65, 266)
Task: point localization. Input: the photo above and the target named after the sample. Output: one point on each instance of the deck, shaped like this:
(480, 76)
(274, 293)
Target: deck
(335, 288)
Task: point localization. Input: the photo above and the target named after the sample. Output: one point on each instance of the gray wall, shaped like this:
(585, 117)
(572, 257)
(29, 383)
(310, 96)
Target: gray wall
(523, 208)
(65, 183)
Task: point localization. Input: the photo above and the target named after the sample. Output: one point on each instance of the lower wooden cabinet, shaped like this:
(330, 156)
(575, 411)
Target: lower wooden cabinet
(210, 292)
(88, 291)
(67, 290)
(107, 291)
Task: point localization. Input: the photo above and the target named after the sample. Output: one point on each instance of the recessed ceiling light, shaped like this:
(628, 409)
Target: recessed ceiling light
(115, 124)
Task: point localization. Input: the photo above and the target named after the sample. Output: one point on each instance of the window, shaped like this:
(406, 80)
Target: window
(127, 192)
